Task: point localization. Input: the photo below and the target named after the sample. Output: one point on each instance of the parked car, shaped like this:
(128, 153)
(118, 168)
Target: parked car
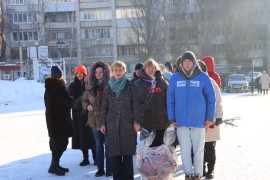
(237, 83)
(249, 77)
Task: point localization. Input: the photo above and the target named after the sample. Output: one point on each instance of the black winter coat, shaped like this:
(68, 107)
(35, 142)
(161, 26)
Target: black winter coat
(57, 104)
(154, 115)
(119, 116)
(82, 135)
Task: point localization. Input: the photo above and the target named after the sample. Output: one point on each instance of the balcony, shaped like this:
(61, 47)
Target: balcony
(97, 5)
(59, 25)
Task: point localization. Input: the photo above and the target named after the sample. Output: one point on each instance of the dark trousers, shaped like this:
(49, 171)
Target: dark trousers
(158, 138)
(209, 156)
(122, 167)
(58, 146)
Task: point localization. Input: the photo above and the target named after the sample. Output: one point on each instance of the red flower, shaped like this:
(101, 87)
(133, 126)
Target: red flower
(157, 89)
(99, 93)
(212, 126)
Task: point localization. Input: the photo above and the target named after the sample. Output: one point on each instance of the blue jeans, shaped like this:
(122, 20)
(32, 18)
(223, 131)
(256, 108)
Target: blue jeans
(190, 137)
(100, 142)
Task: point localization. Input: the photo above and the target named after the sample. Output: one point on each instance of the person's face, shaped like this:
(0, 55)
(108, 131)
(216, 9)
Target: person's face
(99, 73)
(150, 71)
(187, 64)
(80, 76)
(118, 72)
(137, 72)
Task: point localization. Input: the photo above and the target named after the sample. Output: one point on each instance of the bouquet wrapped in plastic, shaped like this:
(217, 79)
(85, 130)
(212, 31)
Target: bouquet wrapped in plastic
(157, 162)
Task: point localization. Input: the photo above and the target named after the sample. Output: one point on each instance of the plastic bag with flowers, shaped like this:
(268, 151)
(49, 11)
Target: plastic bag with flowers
(157, 162)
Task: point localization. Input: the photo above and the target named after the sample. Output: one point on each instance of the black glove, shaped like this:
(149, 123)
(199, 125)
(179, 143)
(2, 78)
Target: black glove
(218, 121)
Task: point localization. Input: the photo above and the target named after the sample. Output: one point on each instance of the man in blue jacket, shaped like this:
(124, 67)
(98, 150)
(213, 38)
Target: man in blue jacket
(191, 107)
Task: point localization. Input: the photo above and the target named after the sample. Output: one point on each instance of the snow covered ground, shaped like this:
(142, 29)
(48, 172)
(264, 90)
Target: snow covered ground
(243, 152)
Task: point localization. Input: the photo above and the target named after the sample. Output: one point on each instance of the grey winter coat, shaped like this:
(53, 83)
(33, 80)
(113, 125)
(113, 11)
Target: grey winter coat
(119, 116)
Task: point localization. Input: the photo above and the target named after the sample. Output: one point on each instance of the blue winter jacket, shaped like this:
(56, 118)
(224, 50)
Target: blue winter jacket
(191, 101)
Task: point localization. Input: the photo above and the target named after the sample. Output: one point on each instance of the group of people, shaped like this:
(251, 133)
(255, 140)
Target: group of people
(262, 83)
(108, 111)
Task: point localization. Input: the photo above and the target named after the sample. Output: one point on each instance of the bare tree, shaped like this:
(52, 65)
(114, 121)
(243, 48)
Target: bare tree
(228, 28)
(2, 32)
(149, 24)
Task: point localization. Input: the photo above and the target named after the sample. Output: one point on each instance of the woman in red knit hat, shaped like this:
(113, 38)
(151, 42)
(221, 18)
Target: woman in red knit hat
(82, 138)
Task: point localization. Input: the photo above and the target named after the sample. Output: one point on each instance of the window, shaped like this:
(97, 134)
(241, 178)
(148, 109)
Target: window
(21, 2)
(6, 75)
(127, 50)
(128, 13)
(22, 17)
(25, 36)
(97, 33)
(127, 36)
(59, 17)
(190, 16)
(259, 45)
(60, 34)
(96, 15)
(94, 0)
(98, 51)
(62, 1)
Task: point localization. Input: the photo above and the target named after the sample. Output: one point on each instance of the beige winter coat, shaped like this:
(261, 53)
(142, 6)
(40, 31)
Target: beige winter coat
(214, 134)
(264, 81)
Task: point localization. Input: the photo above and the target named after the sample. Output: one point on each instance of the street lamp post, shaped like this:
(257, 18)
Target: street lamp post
(61, 45)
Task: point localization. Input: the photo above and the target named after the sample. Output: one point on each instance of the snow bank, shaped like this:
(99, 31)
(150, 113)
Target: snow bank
(20, 90)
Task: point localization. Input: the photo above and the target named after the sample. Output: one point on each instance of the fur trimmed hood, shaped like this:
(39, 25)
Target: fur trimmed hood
(93, 82)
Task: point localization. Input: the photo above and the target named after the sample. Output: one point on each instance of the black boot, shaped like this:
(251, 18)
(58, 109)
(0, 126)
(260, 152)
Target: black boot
(84, 162)
(54, 168)
(63, 169)
(210, 172)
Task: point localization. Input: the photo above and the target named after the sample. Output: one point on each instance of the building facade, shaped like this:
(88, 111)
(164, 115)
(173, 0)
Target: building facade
(84, 31)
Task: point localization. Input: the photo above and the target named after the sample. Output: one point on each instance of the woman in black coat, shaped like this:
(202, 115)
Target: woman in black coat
(151, 89)
(82, 138)
(58, 118)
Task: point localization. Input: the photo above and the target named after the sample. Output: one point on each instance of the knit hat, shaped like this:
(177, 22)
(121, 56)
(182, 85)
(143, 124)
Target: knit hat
(81, 69)
(138, 66)
(168, 65)
(189, 55)
(56, 72)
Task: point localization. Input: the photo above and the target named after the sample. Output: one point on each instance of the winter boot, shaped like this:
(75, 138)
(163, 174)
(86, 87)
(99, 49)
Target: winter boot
(54, 168)
(84, 162)
(209, 175)
(197, 177)
(210, 172)
(188, 177)
(63, 169)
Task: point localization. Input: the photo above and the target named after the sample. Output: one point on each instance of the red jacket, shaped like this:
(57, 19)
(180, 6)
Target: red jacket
(210, 63)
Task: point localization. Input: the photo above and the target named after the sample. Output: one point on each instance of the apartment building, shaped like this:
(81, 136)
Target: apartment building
(76, 32)
(85, 31)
